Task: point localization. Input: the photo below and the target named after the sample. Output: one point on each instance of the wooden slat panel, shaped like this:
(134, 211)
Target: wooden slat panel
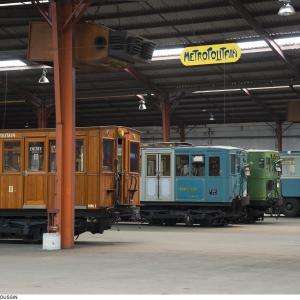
(93, 191)
(13, 199)
(106, 193)
(51, 190)
(35, 190)
(80, 190)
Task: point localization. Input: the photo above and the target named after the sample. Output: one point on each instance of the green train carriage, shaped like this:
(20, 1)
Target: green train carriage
(263, 183)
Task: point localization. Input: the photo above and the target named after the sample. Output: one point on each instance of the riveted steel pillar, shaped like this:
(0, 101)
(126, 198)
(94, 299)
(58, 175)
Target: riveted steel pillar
(182, 133)
(64, 81)
(166, 116)
(42, 116)
(279, 135)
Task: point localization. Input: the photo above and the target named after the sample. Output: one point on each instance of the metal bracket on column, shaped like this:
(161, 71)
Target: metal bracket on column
(43, 12)
(78, 11)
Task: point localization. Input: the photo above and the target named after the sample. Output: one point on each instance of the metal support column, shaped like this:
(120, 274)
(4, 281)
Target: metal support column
(182, 133)
(279, 135)
(42, 116)
(165, 106)
(64, 81)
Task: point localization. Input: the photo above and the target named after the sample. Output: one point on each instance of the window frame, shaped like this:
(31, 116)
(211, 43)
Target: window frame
(83, 138)
(209, 169)
(3, 156)
(45, 155)
(138, 157)
(112, 156)
(189, 164)
(48, 155)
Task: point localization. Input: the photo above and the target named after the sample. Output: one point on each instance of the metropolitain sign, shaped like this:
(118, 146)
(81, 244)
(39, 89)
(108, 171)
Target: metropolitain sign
(210, 54)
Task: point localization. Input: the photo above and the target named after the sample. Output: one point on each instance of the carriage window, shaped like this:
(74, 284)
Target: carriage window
(12, 157)
(36, 156)
(214, 166)
(108, 149)
(79, 160)
(233, 164)
(120, 155)
(182, 165)
(151, 165)
(134, 157)
(52, 156)
(238, 164)
(261, 162)
(198, 165)
(289, 167)
(165, 166)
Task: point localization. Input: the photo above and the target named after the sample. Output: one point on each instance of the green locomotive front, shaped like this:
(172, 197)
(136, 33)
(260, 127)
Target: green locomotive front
(263, 183)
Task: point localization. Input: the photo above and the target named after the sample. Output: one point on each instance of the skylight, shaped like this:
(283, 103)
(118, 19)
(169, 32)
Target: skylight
(12, 63)
(20, 3)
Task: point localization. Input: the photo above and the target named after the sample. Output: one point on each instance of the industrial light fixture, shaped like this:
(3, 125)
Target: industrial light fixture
(211, 117)
(203, 109)
(43, 79)
(286, 9)
(142, 103)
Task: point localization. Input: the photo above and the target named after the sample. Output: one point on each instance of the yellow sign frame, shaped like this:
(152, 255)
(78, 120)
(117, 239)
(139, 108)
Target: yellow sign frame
(210, 54)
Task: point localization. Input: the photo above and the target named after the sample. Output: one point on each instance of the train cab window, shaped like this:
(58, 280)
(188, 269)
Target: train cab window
(198, 165)
(52, 156)
(233, 164)
(79, 159)
(261, 162)
(214, 166)
(289, 167)
(238, 164)
(108, 150)
(151, 165)
(12, 156)
(165, 166)
(182, 165)
(36, 156)
(134, 157)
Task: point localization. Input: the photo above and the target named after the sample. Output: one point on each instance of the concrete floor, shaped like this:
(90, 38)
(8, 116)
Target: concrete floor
(241, 259)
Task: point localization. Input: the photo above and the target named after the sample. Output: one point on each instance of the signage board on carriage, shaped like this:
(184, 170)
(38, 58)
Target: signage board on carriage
(210, 54)
(7, 135)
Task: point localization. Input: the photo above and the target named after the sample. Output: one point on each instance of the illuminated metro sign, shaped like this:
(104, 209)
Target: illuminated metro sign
(210, 54)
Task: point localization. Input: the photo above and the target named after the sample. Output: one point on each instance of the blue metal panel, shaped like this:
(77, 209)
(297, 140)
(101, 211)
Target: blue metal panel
(290, 183)
(190, 189)
(290, 187)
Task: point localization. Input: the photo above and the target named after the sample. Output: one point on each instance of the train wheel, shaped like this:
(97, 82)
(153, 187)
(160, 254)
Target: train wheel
(290, 207)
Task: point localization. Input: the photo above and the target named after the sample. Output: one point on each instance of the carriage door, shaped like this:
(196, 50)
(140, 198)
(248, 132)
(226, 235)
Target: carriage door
(35, 172)
(215, 183)
(158, 177)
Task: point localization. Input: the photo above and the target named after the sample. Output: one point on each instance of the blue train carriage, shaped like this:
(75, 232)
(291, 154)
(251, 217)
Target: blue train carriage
(290, 183)
(193, 184)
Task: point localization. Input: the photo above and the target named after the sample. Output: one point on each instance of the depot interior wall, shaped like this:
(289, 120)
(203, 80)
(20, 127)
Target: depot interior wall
(246, 135)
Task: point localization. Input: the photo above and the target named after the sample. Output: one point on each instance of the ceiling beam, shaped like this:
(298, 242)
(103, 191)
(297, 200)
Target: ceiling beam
(265, 35)
(256, 100)
(147, 83)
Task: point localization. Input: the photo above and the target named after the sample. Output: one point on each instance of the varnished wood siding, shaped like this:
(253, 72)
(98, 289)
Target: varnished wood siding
(94, 187)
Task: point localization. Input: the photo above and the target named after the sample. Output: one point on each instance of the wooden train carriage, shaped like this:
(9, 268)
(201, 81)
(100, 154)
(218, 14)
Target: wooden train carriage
(107, 175)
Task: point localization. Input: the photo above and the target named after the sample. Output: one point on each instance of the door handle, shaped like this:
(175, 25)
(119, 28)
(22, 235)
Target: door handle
(25, 173)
